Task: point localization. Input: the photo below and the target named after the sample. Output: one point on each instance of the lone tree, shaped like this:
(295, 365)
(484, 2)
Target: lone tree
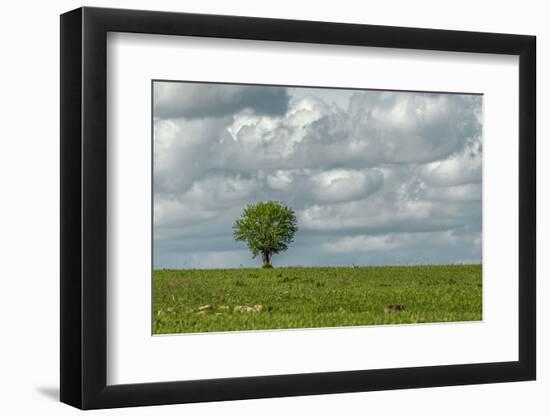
(267, 228)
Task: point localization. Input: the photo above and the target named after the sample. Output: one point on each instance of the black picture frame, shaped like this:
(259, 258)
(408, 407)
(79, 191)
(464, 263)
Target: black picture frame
(84, 207)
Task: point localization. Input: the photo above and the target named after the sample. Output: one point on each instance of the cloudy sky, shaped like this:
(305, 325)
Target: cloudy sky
(375, 177)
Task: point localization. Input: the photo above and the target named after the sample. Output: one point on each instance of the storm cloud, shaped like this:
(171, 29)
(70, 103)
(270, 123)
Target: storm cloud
(189, 100)
(375, 177)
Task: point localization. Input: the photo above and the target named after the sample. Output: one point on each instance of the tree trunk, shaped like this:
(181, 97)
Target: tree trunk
(265, 259)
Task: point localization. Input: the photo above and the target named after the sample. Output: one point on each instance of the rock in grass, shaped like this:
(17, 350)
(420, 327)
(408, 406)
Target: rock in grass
(394, 308)
(248, 309)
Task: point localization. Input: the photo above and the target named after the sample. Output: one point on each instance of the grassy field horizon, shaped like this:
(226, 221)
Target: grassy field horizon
(221, 300)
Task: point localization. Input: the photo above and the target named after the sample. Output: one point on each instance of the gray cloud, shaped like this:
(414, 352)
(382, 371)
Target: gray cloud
(375, 177)
(192, 100)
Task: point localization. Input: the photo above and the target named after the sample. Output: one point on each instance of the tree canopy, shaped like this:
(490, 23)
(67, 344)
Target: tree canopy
(267, 228)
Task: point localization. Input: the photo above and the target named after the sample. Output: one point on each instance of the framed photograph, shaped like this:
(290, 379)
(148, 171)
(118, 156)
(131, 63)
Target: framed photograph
(258, 208)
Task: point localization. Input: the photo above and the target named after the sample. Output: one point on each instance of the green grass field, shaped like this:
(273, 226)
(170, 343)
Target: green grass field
(189, 301)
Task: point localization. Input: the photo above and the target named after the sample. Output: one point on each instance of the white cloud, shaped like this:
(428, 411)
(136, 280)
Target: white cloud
(408, 248)
(281, 179)
(344, 185)
(332, 185)
(458, 193)
(453, 171)
(361, 244)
